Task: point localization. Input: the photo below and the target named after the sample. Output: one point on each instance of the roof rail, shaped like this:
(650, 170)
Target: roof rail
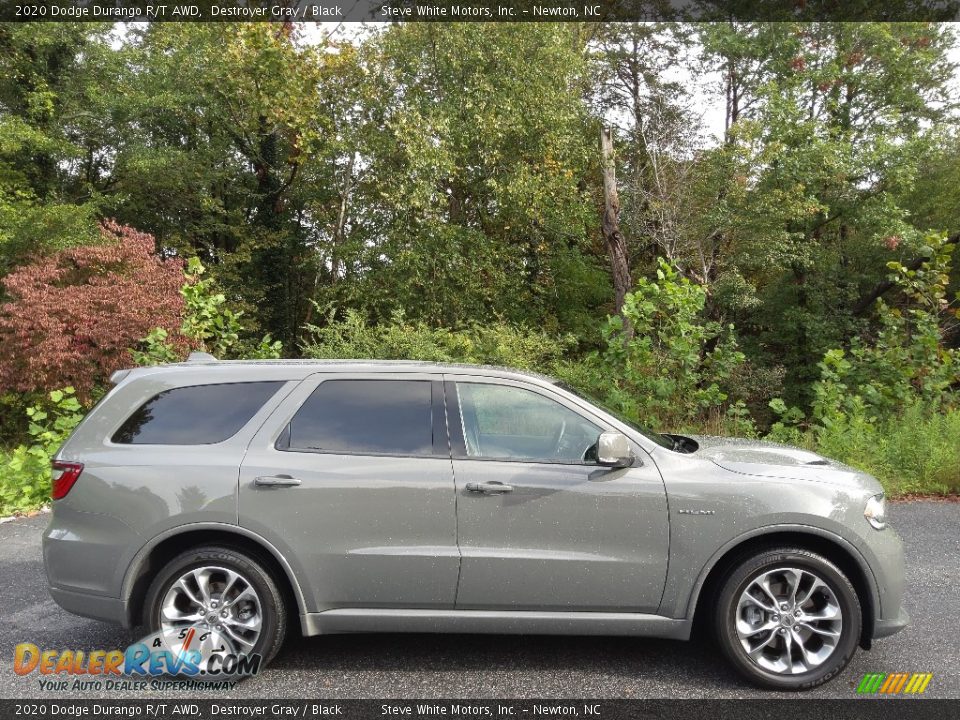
(200, 357)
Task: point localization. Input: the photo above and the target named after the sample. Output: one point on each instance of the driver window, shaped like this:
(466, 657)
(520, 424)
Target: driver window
(500, 421)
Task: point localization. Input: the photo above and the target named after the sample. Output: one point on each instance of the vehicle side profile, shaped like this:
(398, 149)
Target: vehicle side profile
(376, 496)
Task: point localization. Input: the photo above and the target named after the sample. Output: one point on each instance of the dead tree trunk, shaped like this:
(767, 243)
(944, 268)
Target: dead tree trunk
(616, 245)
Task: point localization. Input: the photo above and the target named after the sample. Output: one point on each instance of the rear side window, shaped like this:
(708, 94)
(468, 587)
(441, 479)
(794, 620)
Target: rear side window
(379, 417)
(197, 415)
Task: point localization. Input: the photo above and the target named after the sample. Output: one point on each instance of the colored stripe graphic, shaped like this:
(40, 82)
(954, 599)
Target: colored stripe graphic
(866, 685)
(898, 685)
(889, 682)
(894, 683)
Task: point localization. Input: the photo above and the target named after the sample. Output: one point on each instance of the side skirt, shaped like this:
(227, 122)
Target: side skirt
(364, 620)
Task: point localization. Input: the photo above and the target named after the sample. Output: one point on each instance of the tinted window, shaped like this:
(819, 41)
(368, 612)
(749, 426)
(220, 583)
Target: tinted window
(500, 421)
(391, 417)
(197, 415)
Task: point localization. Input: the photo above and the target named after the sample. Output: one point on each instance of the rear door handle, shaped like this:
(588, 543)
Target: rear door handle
(489, 488)
(276, 481)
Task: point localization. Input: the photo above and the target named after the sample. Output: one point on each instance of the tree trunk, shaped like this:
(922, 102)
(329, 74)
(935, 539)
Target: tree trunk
(866, 302)
(616, 245)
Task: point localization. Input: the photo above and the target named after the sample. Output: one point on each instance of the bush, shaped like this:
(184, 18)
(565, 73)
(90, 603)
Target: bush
(887, 406)
(495, 343)
(25, 471)
(74, 314)
(208, 325)
(669, 366)
(916, 453)
(907, 362)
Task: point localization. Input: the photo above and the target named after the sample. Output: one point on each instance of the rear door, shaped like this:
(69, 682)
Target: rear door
(541, 526)
(351, 478)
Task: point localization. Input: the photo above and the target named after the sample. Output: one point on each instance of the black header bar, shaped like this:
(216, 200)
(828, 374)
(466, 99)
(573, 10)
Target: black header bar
(474, 10)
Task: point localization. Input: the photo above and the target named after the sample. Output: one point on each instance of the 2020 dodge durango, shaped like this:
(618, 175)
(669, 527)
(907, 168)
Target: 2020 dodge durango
(402, 496)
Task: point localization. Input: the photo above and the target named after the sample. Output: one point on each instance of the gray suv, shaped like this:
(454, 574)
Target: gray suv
(366, 496)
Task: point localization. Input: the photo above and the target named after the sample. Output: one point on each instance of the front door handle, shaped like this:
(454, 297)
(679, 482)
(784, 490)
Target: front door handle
(276, 481)
(490, 488)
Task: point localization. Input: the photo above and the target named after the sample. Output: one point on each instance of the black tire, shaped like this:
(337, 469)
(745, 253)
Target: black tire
(273, 608)
(739, 579)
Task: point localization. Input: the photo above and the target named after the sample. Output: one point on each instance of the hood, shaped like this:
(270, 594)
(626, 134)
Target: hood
(767, 459)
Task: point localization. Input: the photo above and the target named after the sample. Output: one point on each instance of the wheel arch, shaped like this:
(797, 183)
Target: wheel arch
(833, 547)
(168, 545)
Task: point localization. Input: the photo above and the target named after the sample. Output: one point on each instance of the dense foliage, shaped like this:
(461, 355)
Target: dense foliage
(72, 315)
(434, 191)
(25, 471)
(664, 363)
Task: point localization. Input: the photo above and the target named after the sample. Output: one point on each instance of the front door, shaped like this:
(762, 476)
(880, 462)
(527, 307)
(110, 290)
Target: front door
(541, 526)
(351, 480)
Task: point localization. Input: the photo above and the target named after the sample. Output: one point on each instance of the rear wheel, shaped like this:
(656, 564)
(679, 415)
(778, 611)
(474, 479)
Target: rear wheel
(788, 619)
(230, 599)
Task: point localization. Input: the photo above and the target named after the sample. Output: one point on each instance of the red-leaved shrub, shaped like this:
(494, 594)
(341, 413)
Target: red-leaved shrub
(72, 316)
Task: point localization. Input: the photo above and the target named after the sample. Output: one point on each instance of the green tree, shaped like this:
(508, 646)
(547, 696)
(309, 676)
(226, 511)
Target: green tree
(54, 134)
(223, 156)
(832, 121)
(472, 201)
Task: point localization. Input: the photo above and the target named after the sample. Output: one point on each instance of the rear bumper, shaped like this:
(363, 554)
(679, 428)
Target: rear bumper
(97, 607)
(886, 628)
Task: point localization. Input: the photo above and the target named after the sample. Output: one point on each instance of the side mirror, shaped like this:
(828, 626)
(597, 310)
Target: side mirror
(613, 450)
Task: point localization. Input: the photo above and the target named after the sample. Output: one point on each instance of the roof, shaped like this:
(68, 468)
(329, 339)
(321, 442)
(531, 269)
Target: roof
(199, 361)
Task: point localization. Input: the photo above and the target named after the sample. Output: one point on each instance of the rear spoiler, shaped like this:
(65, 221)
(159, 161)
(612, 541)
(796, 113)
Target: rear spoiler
(195, 357)
(119, 375)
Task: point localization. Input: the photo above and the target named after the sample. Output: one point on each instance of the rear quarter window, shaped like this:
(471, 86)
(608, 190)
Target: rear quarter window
(195, 415)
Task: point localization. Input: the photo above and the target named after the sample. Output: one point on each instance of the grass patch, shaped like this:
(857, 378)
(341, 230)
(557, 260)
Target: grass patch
(917, 453)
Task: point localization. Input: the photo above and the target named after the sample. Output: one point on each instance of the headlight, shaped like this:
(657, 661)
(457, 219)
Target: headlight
(876, 512)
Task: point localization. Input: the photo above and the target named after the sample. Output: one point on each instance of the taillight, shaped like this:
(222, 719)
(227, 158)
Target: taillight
(65, 474)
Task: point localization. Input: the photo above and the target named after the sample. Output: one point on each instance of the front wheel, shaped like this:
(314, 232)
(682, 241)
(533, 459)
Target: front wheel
(788, 619)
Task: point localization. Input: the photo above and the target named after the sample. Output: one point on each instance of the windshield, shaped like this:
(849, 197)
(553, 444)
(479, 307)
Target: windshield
(659, 439)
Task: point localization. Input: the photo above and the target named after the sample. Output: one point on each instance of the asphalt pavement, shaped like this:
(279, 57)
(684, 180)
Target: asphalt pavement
(488, 666)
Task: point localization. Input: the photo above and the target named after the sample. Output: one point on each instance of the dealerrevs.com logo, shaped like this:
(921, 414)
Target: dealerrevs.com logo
(192, 656)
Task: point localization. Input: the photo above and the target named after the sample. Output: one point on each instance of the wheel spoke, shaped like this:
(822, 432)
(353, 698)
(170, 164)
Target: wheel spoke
(202, 577)
(814, 586)
(747, 630)
(788, 650)
(828, 612)
(763, 644)
(252, 623)
(819, 630)
(764, 585)
(805, 657)
(246, 594)
(174, 615)
(753, 599)
(185, 589)
(239, 638)
(793, 578)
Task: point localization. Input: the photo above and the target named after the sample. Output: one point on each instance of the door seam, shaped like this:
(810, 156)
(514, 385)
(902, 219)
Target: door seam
(456, 495)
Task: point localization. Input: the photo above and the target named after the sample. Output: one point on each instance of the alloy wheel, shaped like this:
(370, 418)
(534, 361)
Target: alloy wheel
(788, 620)
(220, 602)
